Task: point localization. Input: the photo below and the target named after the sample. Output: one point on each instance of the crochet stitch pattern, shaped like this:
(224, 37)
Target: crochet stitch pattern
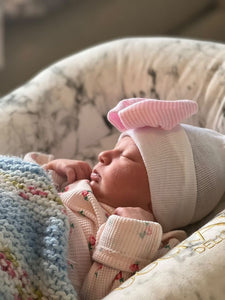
(34, 230)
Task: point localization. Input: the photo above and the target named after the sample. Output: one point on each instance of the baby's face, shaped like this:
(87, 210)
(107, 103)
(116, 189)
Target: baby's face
(120, 178)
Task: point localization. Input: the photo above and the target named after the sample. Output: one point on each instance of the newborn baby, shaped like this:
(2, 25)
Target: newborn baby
(160, 176)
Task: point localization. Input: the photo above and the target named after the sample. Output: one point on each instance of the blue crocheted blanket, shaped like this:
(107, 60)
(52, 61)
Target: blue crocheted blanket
(33, 234)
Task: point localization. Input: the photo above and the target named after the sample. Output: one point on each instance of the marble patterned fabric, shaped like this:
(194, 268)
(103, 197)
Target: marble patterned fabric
(63, 111)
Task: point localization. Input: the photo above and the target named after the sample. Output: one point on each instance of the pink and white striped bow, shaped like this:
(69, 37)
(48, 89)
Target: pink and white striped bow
(140, 112)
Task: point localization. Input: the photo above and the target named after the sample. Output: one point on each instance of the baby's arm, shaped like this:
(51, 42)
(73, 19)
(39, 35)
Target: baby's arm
(63, 171)
(124, 246)
(72, 170)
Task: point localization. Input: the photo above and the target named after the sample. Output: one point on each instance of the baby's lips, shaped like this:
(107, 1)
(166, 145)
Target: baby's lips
(95, 176)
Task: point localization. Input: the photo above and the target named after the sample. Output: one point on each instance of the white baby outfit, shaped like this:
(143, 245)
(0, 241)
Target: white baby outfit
(105, 249)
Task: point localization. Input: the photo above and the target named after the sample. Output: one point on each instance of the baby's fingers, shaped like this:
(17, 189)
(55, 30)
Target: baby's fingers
(47, 166)
(83, 171)
(70, 174)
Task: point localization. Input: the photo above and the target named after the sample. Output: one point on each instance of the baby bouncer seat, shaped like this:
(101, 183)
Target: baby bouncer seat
(63, 110)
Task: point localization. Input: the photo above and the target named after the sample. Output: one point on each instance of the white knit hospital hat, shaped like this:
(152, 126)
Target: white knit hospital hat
(185, 164)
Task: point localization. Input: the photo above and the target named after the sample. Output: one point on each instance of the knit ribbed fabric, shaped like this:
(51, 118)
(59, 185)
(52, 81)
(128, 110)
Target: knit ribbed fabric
(119, 244)
(185, 164)
(208, 149)
(33, 234)
(140, 112)
(168, 159)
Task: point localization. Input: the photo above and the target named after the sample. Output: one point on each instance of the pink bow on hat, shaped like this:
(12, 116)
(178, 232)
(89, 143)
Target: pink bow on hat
(140, 112)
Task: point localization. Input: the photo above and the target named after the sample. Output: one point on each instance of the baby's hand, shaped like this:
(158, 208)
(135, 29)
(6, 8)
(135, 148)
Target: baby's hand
(71, 169)
(134, 213)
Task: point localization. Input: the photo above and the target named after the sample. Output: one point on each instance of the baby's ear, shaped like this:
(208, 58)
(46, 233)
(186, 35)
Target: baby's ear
(138, 113)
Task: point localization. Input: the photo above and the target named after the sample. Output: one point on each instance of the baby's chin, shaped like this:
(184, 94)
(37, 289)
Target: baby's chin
(95, 188)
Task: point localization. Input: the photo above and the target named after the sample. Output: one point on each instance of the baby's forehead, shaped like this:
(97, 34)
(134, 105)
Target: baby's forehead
(126, 142)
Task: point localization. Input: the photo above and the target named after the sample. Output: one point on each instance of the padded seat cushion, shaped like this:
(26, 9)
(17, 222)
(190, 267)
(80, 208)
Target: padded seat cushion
(63, 111)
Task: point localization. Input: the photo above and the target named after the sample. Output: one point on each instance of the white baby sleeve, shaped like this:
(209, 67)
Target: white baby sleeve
(123, 247)
(125, 242)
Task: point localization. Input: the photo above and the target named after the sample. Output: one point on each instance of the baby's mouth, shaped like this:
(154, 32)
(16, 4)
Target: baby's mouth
(95, 176)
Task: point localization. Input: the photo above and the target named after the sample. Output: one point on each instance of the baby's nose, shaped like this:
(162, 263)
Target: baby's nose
(105, 157)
